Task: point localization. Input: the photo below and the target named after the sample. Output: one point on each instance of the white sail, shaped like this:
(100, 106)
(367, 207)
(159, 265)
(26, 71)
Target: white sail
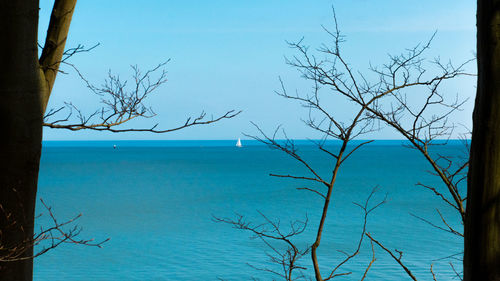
(238, 143)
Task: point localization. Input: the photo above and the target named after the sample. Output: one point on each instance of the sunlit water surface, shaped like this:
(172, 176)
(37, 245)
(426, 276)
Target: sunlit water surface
(156, 201)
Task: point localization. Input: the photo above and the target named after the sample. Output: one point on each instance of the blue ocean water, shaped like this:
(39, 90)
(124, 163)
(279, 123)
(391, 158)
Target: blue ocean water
(156, 200)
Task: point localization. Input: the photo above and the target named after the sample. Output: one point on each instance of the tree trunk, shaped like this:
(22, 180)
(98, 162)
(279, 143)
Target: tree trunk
(20, 145)
(25, 87)
(482, 224)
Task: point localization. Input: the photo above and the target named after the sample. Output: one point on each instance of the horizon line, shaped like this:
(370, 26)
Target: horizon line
(250, 139)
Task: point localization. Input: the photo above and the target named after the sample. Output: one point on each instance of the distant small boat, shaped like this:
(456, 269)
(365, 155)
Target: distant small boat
(238, 143)
(114, 146)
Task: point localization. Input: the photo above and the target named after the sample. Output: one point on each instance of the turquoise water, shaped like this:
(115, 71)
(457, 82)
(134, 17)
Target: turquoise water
(156, 199)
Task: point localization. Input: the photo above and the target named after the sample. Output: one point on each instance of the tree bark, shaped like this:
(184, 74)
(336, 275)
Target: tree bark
(57, 33)
(482, 224)
(25, 87)
(20, 145)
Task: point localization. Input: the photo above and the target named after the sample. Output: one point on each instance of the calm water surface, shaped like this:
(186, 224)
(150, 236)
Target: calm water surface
(155, 200)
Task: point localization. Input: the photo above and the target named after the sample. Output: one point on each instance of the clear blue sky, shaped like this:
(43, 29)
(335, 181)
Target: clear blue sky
(229, 54)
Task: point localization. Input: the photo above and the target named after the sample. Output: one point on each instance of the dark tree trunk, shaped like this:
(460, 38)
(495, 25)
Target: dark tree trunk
(26, 83)
(20, 144)
(482, 224)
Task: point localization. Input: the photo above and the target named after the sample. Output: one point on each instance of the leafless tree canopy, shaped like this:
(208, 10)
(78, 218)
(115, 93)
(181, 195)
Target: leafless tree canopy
(121, 101)
(380, 102)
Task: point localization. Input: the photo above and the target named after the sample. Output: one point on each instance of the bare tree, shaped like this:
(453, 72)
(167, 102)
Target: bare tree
(27, 82)
(382, 102)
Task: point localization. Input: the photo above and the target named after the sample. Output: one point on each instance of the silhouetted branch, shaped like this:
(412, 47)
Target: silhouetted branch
(448, 229)
(386, 100)
(356, 148)
(383, 101)
(47, 237)
(312, 190)
(269, 231)
(396, 258)
(433, 274)
(67, 54)
(121, 104)
(458, 275)
(367, 209)
(371, 262)
(288, 147)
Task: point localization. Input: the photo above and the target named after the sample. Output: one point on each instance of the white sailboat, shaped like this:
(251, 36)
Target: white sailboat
(238, 143)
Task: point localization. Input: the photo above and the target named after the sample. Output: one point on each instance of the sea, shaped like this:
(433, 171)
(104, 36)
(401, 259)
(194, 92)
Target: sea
(158, 203)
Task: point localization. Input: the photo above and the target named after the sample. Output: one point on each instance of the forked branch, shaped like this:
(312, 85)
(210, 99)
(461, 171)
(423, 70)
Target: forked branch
(284, 253)
(121, 104)
(48, 238)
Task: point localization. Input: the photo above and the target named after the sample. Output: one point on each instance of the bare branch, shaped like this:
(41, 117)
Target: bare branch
(381, 102)
(121, 104)
(286, 259)
(371, 262)
(448, 229)
(312, 190)
(397, 259)
(47, 238)
(366, 211)
(432, 272)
